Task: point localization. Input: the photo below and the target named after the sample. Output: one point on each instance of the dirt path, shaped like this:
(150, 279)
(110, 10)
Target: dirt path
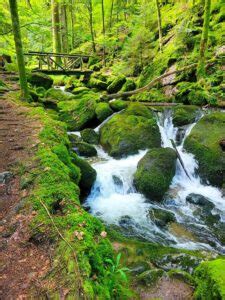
(21, 263)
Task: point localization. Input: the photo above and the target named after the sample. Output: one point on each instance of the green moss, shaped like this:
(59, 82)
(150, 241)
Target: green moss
(118, 105)
(77, 113)
(130, 131)
(88, 174)
(210, 279)
(184, 115)
(97, 83)
(129, 85)
(203, 142)
(117, 84)
(80, 89)
(56, 95)
(40, 79)
(85, 149)
(90, 136)
(155, 172)
(103, 111)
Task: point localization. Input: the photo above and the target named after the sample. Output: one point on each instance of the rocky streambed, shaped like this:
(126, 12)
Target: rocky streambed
(146, 193)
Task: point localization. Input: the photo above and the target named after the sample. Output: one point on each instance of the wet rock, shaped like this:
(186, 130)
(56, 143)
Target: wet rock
(138, 267)
(88, 174)
(161, 217)
(200, 200)
(155, 172)
(182, 261)
(5, 177)
(85, 149)
(117, 181)
(180, 134)
(125, 221)
(116, 84)
(90, 136)
(150, 277)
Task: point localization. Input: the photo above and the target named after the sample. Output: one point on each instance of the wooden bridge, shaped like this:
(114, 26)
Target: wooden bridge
(60, 63)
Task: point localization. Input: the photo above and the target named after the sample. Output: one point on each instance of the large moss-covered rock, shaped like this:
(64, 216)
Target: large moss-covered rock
(57, 95)
(185, 114)
(40, 79)
(128, 86)
(85, 149)
(204, 143)
(118, 105)
(97, 83)
(78, 113)
(90, 136)
(130, 131)
(88, 174)
(155, 172)
(117, 84)
(103, 111)
(161, 217)
(210, 279)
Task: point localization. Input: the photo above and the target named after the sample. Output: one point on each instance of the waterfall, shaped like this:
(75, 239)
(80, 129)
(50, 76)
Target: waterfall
(114, 199)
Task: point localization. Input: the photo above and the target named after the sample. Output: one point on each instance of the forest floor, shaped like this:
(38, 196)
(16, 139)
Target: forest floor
(22, 262)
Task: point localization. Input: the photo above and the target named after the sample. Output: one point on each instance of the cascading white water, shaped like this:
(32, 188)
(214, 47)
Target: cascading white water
(114, 199)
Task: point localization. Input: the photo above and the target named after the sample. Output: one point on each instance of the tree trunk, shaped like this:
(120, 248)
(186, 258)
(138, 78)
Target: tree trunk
(19, 49)
(111, 15)
(103, 31)
(72, 17)
(159, 24)
(91, 25)
(64, 28)
(204, 40)
(55, 27)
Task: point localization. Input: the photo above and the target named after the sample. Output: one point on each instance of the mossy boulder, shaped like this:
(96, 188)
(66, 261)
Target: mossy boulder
(78, 114)
(155, 172)
(128, 86)
(204, 143)
(193, 93)
(98, 84)
(118, 105)
(130, 131)
(88, 174)
(210, 280)
(150, 277)
(56, 95)
(161, 217)
(39, 79)
(80, 89)
(103, 111)
(85, 149)
(117, 84)
(90, 136)
(185, 114)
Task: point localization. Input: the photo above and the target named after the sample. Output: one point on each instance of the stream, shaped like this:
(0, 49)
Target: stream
(115, 201)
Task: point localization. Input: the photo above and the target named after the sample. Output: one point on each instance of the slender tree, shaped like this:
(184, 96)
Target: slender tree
(19, 49)
(64, 27)
(103, 30)
(55, 27)
(90, 10)
(111, 15)
(159, 24)
(204, 40)
(72, 19)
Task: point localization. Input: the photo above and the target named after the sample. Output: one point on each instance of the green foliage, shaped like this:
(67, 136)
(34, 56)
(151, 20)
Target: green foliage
(40, 80)
(210, 279)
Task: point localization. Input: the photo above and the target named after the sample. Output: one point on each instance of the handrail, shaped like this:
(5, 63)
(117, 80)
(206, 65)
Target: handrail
(36, 53)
